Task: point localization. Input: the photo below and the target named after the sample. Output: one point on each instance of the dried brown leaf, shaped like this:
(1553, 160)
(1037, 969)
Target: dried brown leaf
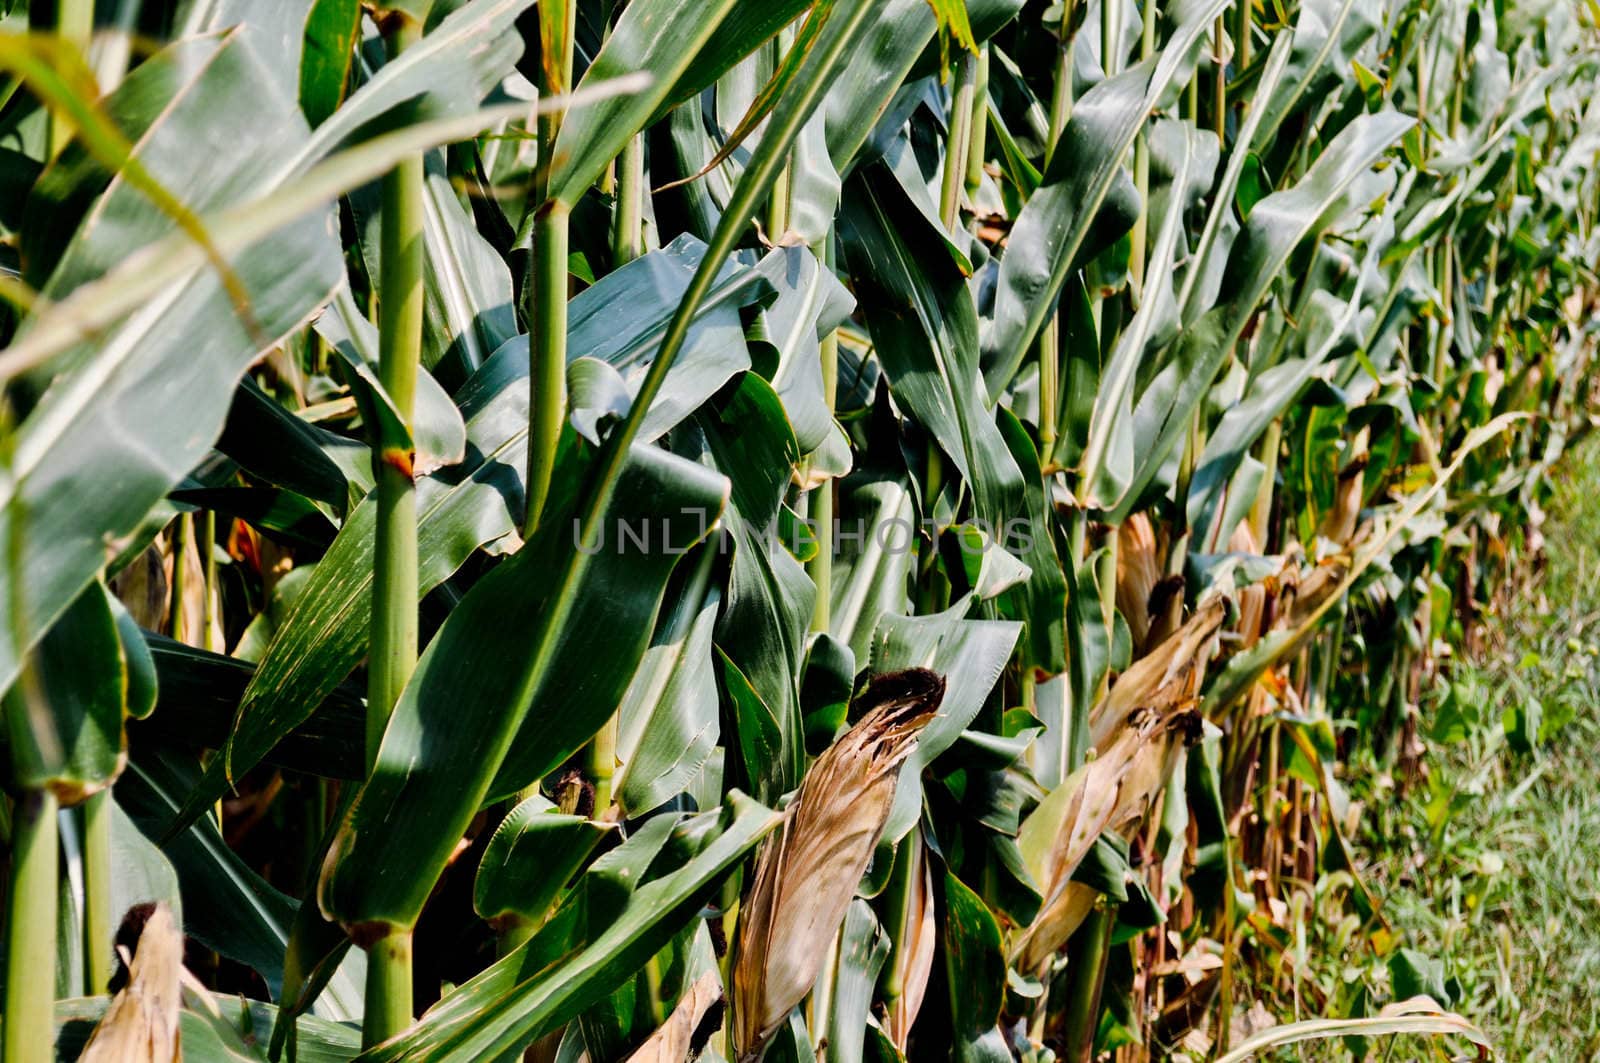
(1165, 676)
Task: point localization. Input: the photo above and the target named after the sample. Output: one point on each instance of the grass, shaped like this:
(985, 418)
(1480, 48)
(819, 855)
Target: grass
(1489, 863)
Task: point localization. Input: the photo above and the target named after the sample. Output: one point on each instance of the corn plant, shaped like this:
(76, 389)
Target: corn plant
(753, 529)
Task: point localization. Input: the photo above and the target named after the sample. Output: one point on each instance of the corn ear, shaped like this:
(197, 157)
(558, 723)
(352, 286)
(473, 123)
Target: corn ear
(806, 875)
(142, 1021)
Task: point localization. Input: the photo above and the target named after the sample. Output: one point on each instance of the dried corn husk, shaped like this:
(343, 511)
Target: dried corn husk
(141, 1025)
(806, 875)
(674, 1041)
(1138, 574)
(143, 587)
(1252, 600)
(1339, 524)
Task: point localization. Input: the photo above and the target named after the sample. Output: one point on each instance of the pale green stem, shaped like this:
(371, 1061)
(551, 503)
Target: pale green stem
(654, 979)
(208, 579)
(547, 290)
(1141, 163)
(1076, 715)
(393, 654)
(29, 1035)
(1049, 341)
(1491, 283)
(400, 302)
(1110, 36)
(897, 903)
(73, 22)
(547, 317)
(778, 199)
(600, 762)
(1219, 99)
(627, 235)
(953, 177)
(955, 152)
(778, 206)
(978, 135)
(1242, 42)
(1106, 577)
(1178, 550)
(99, 928)
(1049, 386)
(820, 567)
(388, 989)
(1230, 952)
(1444, 278)
(1061, 98)
(1081, 1016)
(181, 532)
(820, 1021)
(1261, 511)
(549, 340)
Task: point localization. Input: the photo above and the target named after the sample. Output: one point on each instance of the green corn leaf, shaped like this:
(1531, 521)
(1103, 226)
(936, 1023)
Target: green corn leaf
(1109, 450)
(1268, 394)
(479, 503)
(530, 857)
(63, 718)
(1276, 227)
(1040, 603)
(199, 697)
(667, 723)
(970, 654)
(525, 994)
(661, 37)
(332, 31)
(924, 329)
(499, 660)
(1328, 34)
(974, 962)
(1082, 204)
(810, 303)
(444, 75)
(770, 599)
(273, 444)
(863, 948)
(435, 430)
(120, 387)
(227, 906)
(871, 570)
(280, 30)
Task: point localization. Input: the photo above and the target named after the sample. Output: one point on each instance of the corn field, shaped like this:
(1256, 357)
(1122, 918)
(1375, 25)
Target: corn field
(791, 530)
